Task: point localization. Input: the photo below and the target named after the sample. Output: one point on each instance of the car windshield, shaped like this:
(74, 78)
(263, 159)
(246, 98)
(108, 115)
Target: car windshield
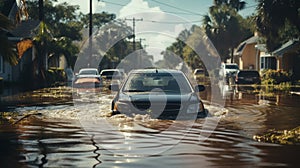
(157, 82)
(109, 73)
(231, 67)
(248, 74)
(199, 71)
(88, 72)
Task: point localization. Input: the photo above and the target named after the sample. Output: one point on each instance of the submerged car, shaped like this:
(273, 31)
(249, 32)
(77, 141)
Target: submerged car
(87, 78)
(111, 76)
(161, 93)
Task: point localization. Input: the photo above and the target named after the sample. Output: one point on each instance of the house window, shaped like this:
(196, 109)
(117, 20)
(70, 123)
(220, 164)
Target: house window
(268, 62)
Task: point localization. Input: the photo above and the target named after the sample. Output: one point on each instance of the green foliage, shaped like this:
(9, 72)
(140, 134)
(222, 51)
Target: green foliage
(99, 19)
(65, 26)
(55, 75)
(225, 27)
(281, 137)
(7, 48)
(278, 21)
(273, 77)
(235, 4)
(60, 28)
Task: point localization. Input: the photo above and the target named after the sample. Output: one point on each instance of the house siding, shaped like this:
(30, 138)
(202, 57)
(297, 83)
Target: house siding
(248, 58)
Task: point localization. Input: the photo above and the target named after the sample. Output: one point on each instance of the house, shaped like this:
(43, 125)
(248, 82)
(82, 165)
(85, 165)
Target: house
(20, 35)
(247, 55)
(250, 54)
(288, 58)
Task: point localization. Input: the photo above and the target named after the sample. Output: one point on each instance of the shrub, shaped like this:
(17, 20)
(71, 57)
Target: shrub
(274, 77)
(55, 75)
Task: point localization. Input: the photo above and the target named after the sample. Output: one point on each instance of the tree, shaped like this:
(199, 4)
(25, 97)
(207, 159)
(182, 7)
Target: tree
(7, 48)
(224, 26)
(99, 19)
(235, 4)
(278, 21)
(63, 25)
(173, 55)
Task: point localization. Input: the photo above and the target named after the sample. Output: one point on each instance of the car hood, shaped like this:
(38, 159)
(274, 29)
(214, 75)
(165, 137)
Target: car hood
(231, 70)
(158, 97)
(88, 76)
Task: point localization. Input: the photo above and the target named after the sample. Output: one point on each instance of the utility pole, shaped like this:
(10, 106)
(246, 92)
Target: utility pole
(133, 29)
(91, 19)
(141, 39)
(90, 32)
(140, 53)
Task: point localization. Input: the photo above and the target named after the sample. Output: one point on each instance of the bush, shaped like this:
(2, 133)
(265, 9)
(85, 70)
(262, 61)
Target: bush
(55, 75)
(274, 77)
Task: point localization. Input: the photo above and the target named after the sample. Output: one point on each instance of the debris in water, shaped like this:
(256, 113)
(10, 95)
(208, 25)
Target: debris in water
(281, 137)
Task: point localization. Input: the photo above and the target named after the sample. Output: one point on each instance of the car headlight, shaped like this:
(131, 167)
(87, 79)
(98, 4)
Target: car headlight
(121, 107)
(193, 108)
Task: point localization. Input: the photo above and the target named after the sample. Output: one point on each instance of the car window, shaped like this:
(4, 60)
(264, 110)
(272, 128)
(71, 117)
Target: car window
(199, 71)
(231, 67)
(162, 82)
(109, 73)
(248, 74)
(88, 72)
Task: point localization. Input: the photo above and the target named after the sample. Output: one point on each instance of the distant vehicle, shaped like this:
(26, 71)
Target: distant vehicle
(69, 74)
(228, 70)
(199, 73)
(111, 75)
(247, 77)
(87, 78)
(161, 93)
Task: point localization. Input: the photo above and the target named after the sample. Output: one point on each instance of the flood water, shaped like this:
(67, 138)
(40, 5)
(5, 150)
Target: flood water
(60, 127)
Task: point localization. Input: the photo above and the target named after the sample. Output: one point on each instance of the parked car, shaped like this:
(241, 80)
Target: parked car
(228, 70)
(161, 93)
(247, 77)
(111, 75)
(87, 78)
(199, 73)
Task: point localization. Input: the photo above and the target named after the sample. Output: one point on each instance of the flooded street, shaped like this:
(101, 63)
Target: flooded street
(61, 127)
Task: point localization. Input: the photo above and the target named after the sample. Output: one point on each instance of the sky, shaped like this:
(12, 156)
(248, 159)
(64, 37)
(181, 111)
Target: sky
(162, 20)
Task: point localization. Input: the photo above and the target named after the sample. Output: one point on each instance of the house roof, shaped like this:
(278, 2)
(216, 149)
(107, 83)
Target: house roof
(287, 47)
(242, 45)
(25, 29)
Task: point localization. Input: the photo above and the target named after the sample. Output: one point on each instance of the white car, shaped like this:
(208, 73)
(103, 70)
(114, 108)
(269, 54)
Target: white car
(228, 69)
(87, 78)
(88, 72)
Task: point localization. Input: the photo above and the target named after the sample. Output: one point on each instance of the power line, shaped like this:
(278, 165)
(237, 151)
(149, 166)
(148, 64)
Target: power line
(179, 13)
(177, 8)
(113, 3)
(165, 22)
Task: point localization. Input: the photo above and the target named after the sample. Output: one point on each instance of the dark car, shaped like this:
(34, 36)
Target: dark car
(247, 77)
(161, 93)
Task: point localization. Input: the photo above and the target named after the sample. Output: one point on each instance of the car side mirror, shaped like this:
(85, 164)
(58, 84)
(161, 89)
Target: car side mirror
(114, 87)
(199, 88)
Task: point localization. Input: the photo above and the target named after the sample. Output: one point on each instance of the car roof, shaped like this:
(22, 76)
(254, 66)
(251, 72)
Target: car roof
(171, 71)
(88, 69)
(248, 70)
(110, 70)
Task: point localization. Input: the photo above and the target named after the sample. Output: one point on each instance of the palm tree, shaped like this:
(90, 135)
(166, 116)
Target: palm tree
(7, 49)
